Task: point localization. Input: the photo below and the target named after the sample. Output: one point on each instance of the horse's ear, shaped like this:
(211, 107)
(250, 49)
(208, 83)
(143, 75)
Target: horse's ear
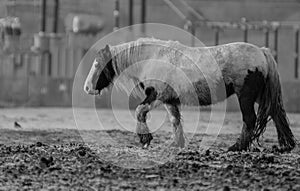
(104, 53)
(107, 52)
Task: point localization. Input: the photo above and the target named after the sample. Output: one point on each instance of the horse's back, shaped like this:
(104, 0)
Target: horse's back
(236, 60)
(239, 54)
(202, 70)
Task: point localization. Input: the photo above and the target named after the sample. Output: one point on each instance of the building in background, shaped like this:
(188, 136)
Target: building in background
(41, 71)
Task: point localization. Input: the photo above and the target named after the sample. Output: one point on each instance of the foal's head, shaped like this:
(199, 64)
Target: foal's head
(101, 74)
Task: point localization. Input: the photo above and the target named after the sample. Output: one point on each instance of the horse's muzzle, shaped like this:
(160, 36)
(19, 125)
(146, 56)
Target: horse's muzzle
(90, 90)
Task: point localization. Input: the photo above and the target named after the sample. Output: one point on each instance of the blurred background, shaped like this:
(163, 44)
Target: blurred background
(43, 41)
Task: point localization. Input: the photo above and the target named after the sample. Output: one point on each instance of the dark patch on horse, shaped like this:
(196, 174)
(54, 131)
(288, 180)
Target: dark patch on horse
(145, 138)
(202, 91)
(175, 113)
(172, 101)
(108, 72)
(224, 90)
(229, 89)
(141, 84)
(253, 85)
(169, 96)
(149, 90)
(151, 95)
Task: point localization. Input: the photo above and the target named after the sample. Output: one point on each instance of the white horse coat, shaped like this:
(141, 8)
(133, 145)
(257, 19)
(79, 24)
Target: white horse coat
(182, 67)
(169, 71)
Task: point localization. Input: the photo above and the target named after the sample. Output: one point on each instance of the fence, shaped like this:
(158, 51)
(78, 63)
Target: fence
(232, 31)
(259, 29)
(24, 80)
(44, 78)
(281, 37)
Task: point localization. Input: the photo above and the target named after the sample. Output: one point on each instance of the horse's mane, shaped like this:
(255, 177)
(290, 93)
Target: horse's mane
(127, 53)
(169, 43)
(124, 51)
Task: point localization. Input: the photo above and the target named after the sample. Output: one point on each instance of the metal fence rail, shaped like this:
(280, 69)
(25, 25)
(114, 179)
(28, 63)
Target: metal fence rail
(268, 29)
(265, 27)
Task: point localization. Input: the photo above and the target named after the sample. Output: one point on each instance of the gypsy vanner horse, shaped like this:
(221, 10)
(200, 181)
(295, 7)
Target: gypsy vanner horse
(238, 68)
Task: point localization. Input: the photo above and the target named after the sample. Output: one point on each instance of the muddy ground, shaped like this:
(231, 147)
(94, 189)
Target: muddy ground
(36, 158)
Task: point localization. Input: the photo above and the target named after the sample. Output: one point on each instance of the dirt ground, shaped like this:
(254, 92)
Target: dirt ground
(50, 152)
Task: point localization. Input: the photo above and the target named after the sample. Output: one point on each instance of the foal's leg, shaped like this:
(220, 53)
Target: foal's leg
(175, 118)
(143, 108)
(249, 119)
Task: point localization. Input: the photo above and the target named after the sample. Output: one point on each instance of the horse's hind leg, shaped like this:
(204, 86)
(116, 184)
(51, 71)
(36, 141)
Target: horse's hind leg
(143, 108)
(285, 136)
(253, 85)
(249, 119)
(175, 119)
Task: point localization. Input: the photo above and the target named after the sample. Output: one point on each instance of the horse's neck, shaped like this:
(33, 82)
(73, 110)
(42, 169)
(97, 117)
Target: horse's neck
(127, 54)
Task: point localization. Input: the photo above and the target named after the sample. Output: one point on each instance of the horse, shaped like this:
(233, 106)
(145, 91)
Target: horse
(237, 68)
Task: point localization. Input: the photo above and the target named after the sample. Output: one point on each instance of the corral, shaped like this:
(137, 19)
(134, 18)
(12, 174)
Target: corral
(47, 145)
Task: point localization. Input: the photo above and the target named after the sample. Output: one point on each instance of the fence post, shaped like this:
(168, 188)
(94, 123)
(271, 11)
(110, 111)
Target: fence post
(143, 15)
(276, 44)
(188, 26)
(117, 15)
(275, 26)
(56, 16)
(130, 13)
(296, 50)
(217, 35)
(43, 15)
(267, 33)
(245, 28)
(193, 31)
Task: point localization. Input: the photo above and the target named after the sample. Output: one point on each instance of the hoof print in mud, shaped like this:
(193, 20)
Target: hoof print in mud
(46, 162)
(145, 139)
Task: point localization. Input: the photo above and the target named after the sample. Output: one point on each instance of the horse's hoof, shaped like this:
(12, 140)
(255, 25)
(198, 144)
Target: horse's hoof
(235, 148)
(177, 145)
(285, 149)
(146, 146)
(240, 145)
(145, 139)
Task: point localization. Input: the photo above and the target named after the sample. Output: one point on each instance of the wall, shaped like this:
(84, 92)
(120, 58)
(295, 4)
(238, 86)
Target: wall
(157, 11)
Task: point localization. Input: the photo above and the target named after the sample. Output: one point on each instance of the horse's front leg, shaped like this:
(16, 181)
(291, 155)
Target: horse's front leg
(175, 119)
(142, 129)
(147, 105)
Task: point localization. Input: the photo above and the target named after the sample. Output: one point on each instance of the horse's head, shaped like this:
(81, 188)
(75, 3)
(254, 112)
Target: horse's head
(101, 74)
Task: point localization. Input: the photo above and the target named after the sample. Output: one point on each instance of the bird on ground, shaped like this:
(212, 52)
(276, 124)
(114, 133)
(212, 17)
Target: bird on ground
(17, 125)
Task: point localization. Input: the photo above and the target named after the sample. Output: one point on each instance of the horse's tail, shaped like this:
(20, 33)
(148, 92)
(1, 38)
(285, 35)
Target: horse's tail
(271, 105)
